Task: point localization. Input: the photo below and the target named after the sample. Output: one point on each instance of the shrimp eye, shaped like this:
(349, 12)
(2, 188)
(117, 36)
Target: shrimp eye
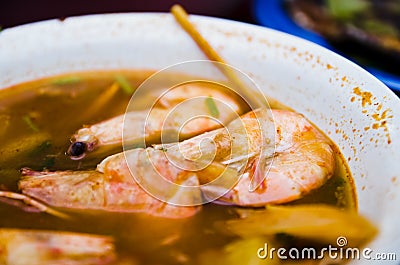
(77, 149)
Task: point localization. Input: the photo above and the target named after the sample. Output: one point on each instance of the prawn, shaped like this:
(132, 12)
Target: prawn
(297, 158)
(112, 188)
(302, 160)
(183, 112)
(20, 247)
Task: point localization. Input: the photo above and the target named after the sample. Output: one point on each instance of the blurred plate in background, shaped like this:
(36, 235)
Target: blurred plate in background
(272, 14)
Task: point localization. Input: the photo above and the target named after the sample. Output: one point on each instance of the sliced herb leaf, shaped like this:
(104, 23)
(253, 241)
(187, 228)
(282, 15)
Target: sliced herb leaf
(124, 84)
(69, 80)
(30, 123)
(212, 107)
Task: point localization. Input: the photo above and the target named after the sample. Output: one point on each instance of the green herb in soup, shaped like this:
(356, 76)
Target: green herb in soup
(101, 197)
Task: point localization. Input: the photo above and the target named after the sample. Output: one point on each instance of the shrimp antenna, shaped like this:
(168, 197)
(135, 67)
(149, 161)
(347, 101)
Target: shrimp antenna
(30, 201)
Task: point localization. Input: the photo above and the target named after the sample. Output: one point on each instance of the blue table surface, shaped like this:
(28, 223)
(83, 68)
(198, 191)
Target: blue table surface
(270, 13)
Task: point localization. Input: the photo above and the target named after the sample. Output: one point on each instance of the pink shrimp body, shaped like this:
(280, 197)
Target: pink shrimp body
(302, 157)
(36, 247)
(182, 112)
(303, 161)
(111, 187)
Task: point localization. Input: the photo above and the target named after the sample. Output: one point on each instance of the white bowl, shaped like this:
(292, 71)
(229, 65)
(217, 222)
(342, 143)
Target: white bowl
(312, 80)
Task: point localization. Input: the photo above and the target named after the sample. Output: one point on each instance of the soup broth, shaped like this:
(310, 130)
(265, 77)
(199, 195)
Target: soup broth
(37, 120)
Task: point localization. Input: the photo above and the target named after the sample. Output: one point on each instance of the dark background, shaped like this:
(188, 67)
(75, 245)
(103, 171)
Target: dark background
(17, 12)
